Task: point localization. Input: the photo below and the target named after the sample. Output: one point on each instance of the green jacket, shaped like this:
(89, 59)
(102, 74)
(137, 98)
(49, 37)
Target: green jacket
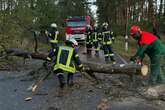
(156, 48)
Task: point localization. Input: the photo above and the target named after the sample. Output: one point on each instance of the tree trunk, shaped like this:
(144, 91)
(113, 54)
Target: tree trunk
(164, 7)
(152, 15)
(128, 69)
(160, 7)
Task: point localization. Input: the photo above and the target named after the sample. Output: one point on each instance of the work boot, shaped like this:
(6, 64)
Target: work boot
(89, 52)
(70, 79)
(97, 54)
(61, 80)
(107, 60)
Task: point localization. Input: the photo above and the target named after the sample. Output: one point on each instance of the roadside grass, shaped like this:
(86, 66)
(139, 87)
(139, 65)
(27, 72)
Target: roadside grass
(119, 47)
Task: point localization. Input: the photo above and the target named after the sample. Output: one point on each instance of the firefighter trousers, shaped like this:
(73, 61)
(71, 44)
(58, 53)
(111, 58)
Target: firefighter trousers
(61, 78)
(108, 53)
(96, 46)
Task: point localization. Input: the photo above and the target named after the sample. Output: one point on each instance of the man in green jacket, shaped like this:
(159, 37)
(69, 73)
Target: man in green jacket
(152, 46)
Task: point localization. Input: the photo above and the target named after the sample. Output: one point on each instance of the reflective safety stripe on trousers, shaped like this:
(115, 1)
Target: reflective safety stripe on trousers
(66, 67)
(107, 43)
(55, 38)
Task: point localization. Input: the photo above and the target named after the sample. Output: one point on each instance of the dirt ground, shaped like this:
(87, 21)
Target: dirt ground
(114, 92)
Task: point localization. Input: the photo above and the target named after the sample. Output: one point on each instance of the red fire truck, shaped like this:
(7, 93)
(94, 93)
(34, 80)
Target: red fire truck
(76, 27)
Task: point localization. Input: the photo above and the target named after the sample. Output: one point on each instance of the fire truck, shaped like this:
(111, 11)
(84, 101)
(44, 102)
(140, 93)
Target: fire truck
(76, 27)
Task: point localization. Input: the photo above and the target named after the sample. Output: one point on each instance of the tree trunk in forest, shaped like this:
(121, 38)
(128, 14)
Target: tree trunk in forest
(164, 7)
(35, 42)
(152, 15)
(142, 9)
(160, 8)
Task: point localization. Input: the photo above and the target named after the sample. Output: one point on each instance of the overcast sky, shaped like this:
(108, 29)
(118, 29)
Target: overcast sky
(93, 7)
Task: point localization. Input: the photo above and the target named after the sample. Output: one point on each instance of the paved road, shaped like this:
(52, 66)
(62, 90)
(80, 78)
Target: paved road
(83, 97)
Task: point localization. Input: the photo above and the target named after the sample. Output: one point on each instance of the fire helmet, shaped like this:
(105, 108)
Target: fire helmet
(72, 41)
(134, 29)
(53, 25)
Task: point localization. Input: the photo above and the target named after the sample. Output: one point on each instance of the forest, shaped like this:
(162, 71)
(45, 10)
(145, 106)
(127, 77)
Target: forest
(20, 18)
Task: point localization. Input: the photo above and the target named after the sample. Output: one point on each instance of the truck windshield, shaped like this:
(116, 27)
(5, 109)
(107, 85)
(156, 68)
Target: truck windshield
(76, 23)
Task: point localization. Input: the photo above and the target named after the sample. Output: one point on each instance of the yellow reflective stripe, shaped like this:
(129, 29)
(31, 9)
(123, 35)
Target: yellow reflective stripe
(109, 42)
(111, 54)
(95, 36)
(69, 57)
(80, 65)
(48, 58)
(55, 38)
(106, 55)
(76, 55)
(54, 50)
(106, 32)
(54, 41)
(65, 68)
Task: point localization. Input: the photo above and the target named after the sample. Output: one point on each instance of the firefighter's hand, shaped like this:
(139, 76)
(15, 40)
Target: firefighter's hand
(138, 62)
(46, 63)
(82, 69)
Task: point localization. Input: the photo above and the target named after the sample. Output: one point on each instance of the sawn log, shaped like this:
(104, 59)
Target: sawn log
(128, 69)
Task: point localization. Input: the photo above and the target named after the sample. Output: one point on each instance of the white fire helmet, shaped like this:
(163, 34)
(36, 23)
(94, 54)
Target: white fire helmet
(105, 24)
(95, 25)
(73, 41)
(53, 25)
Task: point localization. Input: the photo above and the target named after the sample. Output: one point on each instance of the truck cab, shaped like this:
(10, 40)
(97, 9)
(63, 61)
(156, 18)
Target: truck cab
(76, 27)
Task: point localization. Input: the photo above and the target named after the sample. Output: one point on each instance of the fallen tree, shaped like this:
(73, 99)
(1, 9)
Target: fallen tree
(128, 69)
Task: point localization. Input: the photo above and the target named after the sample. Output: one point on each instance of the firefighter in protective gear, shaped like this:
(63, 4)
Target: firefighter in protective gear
(53, 35)
(107, 44)
(95, 39)
(65, 57)
(89, 41)
(152, 46)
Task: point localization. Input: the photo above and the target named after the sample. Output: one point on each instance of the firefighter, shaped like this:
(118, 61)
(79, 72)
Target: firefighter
(53, 35)
(89, 41)
(152, 46)
(95, 39)
(107, 44)
(65, 59)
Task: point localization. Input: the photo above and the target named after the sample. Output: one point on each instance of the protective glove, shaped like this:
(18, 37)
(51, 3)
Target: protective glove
(46, 63)
(138, 62)
(81, 69)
